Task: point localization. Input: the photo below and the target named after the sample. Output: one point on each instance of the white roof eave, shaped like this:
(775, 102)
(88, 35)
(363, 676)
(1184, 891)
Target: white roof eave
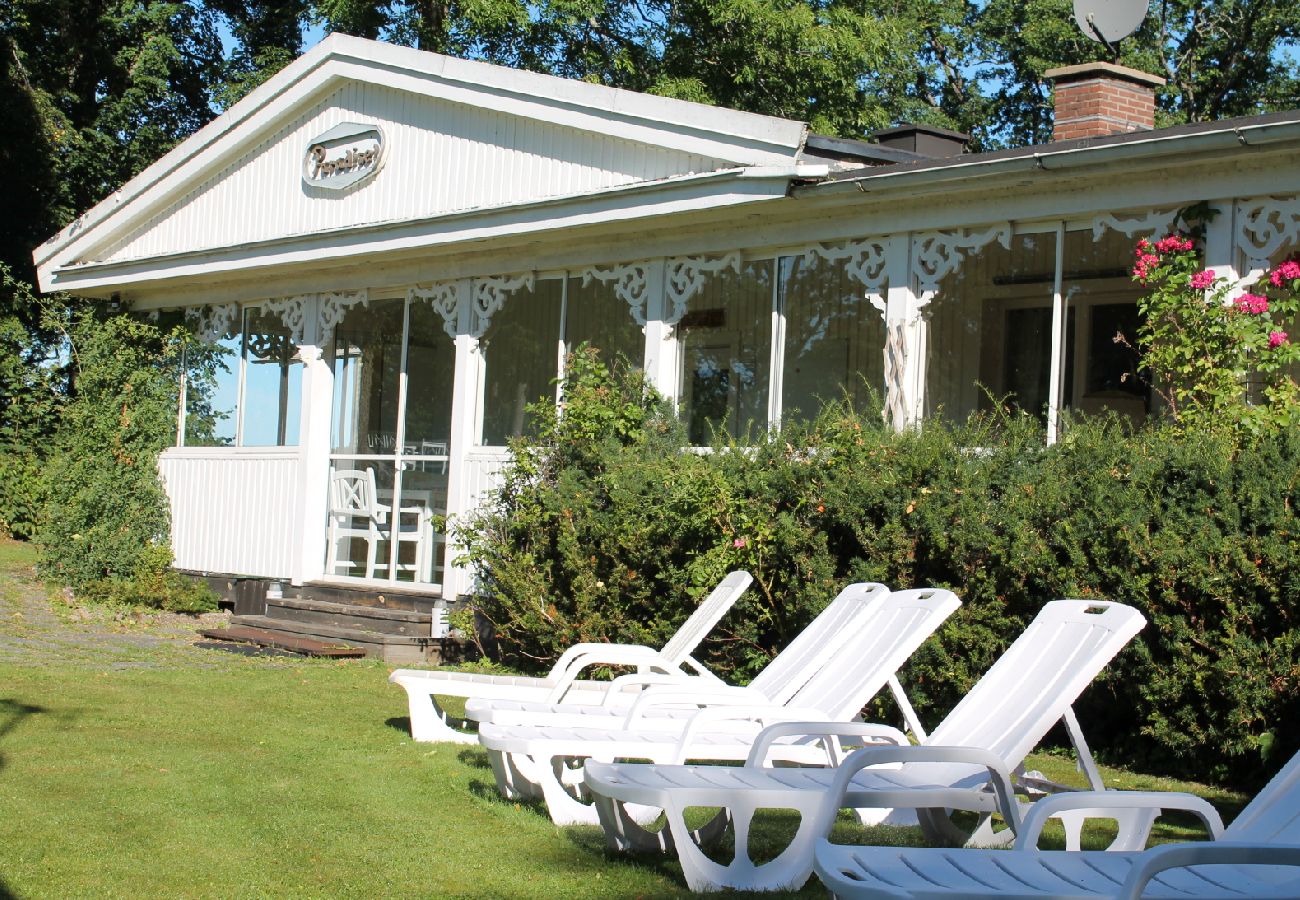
(736, 137)
(622, 204)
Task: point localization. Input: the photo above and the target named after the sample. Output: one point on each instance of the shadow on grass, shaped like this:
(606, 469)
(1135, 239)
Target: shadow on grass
(12, 713)
(474, 757)
(399, 723)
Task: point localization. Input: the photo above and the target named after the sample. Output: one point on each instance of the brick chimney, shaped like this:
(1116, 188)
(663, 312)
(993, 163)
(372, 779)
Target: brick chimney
(1096, 99)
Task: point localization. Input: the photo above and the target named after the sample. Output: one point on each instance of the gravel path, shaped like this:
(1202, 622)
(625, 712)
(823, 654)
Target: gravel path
(40, 626)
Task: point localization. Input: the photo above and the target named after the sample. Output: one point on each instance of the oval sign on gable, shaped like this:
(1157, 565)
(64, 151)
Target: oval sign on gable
(347, 154)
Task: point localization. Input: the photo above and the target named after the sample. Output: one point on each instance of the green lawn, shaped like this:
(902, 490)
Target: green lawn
(178, 771)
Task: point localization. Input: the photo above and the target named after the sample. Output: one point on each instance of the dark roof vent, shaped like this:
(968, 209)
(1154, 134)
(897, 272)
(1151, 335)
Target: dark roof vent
(926, 140)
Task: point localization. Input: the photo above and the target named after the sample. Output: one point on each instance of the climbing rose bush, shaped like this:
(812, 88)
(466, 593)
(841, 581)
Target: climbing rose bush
(1217, 359)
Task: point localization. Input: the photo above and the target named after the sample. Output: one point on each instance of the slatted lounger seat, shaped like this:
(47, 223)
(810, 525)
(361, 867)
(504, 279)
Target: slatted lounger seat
(1258, 856)
(965, 763)
(429, 723)
(539, 761)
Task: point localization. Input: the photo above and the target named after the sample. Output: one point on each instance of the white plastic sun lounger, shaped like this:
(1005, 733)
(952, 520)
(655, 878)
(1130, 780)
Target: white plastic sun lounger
(429, 723)
(542, 761)
(964, 764)
(790, 670)
(1257, 856)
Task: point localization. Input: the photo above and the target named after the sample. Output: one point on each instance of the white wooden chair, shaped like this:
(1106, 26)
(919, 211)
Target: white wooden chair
(353, 516)
(429, 723)
(356, 513)
(965, 763)
(1258, 855)
(543, 761)
(849, 612)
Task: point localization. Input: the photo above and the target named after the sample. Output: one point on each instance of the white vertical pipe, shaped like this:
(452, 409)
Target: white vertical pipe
(776, 355)
(1055, 377)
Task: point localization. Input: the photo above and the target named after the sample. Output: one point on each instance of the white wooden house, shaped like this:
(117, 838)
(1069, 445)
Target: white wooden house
(397, 247)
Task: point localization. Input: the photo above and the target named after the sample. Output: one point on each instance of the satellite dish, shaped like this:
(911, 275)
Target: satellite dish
(1109, 21)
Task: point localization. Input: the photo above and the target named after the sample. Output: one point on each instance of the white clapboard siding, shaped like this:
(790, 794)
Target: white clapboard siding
(233, 511)
(483, 468)
(440, 157)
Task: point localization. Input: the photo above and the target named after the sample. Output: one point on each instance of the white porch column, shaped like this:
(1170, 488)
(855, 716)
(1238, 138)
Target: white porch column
(314, 448)
(904, 340)
(660, 336)
(1220, 246)
(464, 424)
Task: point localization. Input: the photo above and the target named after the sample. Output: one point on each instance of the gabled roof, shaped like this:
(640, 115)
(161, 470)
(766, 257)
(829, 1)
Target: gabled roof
(464, 139)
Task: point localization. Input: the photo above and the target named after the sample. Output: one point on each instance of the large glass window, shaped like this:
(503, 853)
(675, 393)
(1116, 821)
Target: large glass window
(247, 392)
(990, 337)
(594, 314)
(834, 338)
(725, 343)
(521, 353)
(393, 368)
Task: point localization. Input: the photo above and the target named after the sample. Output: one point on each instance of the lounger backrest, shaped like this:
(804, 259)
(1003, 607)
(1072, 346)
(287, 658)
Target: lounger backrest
(874, 651)
(706, 615)
(1034, 682)
(799, 661)
(1273, 817)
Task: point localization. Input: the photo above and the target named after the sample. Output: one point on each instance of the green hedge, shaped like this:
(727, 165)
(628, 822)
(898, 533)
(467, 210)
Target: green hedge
(608, 529)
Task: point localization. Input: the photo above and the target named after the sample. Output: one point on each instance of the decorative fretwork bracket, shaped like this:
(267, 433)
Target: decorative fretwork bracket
(292, 312)
(630, 282)
(213, 323)
(686, 275)
(1155, 221)
(490, 294)
(864, 261)
(1265, 226)
(444, 297)
(334, 305)
(938, 254)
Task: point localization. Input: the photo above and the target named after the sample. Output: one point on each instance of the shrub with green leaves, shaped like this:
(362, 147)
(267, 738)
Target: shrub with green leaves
(608, 528)
(105, 528)
(1203, 350)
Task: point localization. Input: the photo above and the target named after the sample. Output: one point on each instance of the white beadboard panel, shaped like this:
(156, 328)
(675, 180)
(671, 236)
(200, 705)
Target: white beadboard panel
(440, 157)
(233, 511)
(483, 467)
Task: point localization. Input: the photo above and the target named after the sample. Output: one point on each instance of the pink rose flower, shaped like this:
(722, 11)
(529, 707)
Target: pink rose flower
(1288, 271)
(1203, 279)
(1276, 339)
(739, 542)
(1173, 243)
(1252, 303)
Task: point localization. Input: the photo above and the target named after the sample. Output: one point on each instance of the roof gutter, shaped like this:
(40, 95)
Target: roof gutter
(1066, 159)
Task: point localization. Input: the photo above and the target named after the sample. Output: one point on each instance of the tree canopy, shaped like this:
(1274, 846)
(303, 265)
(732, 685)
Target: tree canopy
(92, 91)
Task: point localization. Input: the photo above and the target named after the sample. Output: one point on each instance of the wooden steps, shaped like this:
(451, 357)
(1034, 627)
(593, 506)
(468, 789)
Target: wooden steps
(244, 634)
(348, 625)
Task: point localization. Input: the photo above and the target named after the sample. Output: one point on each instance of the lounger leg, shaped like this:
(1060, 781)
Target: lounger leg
(788, 871)
(625, 834)
(938, 827)
(428, 721)
(513, 781)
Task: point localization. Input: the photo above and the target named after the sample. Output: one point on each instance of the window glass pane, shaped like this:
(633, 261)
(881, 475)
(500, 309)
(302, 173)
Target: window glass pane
(1103, 298)
(272, 382)
(596, 316)
(988, 332)
(834, 338)
(521, 357)
(367, 357)
(725, 340)
(210, 402)
(430, 368)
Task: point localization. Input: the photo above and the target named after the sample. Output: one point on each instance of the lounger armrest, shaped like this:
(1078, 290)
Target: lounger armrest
(876, 734)
(677, 695)
(621, 685)
(596, 653)
(999, 776)
(1032, 827)
(1206, 853)
(581, 656)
